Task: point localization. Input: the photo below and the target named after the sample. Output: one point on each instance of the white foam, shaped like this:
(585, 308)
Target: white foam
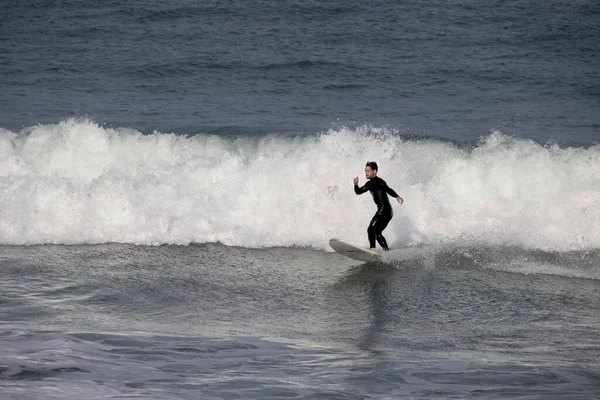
(78, 182)
(528, 267)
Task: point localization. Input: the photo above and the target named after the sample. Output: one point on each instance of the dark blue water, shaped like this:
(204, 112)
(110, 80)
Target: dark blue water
(449, 69)
(171, 173)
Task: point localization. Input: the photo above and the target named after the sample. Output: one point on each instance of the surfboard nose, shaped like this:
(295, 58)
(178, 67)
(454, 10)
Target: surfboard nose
(351, 251)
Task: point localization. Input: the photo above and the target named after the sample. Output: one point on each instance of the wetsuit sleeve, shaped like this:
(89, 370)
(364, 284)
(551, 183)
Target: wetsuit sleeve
(362, 189)
(390, 191)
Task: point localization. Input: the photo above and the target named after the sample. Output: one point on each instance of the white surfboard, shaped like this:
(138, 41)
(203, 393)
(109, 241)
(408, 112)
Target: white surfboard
(352, 251)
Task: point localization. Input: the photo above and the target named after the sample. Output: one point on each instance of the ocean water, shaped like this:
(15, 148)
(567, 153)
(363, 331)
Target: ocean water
(171, 173)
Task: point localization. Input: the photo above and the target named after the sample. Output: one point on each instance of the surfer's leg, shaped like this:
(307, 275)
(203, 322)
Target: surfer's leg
(379, 226)
(382, 242)
(372, 230)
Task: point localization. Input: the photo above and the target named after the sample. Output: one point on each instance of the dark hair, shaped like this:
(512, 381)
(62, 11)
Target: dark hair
(372, 164)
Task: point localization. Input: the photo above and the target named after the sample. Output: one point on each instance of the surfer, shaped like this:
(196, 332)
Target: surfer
(379, 190)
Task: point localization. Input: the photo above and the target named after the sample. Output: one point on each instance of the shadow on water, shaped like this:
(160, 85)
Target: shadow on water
(373, 294)
(377, 281)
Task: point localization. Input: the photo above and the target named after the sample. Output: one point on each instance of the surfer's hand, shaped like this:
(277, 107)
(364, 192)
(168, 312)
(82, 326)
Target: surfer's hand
(356, 180)
(400, 200)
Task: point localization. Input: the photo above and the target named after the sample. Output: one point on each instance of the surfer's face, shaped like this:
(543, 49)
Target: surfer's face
(370, 173)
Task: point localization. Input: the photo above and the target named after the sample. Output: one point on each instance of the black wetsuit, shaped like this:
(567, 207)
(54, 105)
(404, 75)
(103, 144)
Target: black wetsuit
(379, 190)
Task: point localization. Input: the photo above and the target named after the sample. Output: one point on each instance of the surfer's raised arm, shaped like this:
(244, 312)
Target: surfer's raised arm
(362, 189)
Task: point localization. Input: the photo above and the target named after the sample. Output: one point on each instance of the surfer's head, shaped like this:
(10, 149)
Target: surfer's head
(371, 169)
